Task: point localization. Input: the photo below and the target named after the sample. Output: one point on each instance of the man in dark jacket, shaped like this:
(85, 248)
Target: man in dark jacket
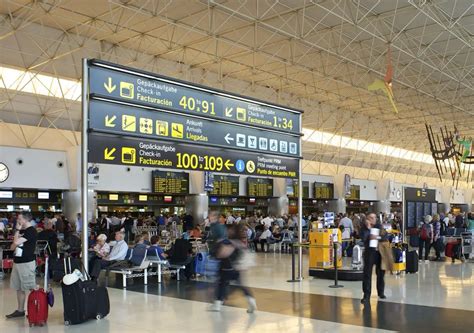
(372, 258)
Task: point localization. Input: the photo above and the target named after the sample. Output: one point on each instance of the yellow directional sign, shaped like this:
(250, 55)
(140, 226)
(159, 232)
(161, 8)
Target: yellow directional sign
(109, 154)
(228, 164)
(177, 130)
(228, 112)
(241, 114)
(109, 86)
(127, 90)
(146, 126)
(129, 155)
(162, 128)
(129, 123)
(109, 121)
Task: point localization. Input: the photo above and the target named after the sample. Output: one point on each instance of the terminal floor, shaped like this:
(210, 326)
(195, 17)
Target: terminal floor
(437, 299)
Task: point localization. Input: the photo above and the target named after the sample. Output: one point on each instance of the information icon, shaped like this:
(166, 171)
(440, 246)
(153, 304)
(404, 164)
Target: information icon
(240, 165)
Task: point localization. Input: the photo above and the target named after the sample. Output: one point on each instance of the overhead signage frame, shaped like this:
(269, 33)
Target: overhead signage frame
(145, 93)
(109, 80)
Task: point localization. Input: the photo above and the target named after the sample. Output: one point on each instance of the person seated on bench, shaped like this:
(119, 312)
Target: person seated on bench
(155, 249)
(100, 250)
(118, 253)
(195, 233)
(181, 254)
(146, 238)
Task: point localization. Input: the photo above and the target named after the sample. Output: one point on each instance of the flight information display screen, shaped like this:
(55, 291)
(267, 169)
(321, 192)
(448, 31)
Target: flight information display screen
(225, 185)
(323, 191)
(259, 187)
(170, 182)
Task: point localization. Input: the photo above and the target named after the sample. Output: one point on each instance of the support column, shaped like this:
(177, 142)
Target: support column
(444, 204)
(468, 194)
(382, 205)
(197, 202)
(72, 205)
(339, 205)
(279, 206)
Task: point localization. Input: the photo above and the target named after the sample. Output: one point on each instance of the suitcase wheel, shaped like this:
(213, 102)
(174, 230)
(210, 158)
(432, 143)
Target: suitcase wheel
(66, 323)
(98, 317)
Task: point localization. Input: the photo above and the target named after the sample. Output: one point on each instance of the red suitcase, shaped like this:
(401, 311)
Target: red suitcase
(37, 305)
(38, 308)
(7, 263)
(452, 250)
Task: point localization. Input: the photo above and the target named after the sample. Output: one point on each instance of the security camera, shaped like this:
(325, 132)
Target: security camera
(19, 161)
(60, 164)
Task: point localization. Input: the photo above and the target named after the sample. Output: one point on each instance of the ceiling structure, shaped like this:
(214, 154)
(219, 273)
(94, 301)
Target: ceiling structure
(315, 55)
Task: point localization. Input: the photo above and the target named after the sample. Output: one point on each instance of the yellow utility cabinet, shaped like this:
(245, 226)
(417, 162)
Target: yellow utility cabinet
(323, 258)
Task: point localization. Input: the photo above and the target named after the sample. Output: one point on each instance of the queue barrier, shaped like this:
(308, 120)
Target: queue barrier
(312, 246)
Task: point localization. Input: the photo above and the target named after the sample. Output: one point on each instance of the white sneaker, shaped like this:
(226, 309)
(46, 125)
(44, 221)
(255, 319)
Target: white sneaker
(426, 261)
(216, 306)
(252, 305)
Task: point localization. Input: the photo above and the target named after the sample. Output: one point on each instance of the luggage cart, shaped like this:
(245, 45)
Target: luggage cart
(5, 263)
(466, 244)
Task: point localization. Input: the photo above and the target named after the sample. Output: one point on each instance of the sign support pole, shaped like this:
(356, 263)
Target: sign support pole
(84, 163)
(300, 211)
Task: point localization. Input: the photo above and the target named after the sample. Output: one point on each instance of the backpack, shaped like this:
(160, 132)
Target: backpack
(442, 231)
(426, 231)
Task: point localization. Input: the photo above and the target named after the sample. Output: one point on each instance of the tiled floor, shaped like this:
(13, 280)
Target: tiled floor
(445, 290)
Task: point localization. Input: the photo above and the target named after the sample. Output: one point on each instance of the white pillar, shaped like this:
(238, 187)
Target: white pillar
(278, 205)
(383, 196)
(197, 202)
(339, 205)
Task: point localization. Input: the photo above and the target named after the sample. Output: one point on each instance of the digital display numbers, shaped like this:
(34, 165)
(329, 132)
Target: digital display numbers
(170, 155)
(259, 187)
(148, 89)
(323, 190)
(170, 182)
(225, 185)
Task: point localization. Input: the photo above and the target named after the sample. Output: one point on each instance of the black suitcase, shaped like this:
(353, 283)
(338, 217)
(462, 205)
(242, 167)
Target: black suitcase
(412, 262)
(84, 300)
(57, 267)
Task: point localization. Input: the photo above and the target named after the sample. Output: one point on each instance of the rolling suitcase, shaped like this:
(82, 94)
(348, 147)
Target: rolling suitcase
(200, 263)
(84, 300)
(37, 304)
(412, 262)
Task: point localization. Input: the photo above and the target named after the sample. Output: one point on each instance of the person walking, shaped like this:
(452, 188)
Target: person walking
(426, 237)
(232, 254)
(372, 258)
(437, 240)
(23, 276)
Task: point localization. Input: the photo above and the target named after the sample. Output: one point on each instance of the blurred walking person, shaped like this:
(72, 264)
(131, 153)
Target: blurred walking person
(234, 257)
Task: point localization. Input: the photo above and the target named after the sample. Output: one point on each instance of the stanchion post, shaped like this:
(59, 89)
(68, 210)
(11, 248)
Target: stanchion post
(336, 281)
(293, 278)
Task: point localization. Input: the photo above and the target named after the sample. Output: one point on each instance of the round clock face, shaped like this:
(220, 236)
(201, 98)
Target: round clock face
(4, 172)
(399, 194)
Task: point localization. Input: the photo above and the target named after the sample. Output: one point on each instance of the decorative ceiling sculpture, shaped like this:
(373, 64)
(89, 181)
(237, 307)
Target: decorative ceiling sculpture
(386, 84)
(452, 153)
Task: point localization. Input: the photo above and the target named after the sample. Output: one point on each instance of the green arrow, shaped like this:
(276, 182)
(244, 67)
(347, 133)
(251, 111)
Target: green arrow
(228, 164)
(228, 112)
(108, 154)
(109, 122)
(109, 87)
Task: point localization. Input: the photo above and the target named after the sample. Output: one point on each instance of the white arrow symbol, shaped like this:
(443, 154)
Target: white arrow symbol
(228, 138)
